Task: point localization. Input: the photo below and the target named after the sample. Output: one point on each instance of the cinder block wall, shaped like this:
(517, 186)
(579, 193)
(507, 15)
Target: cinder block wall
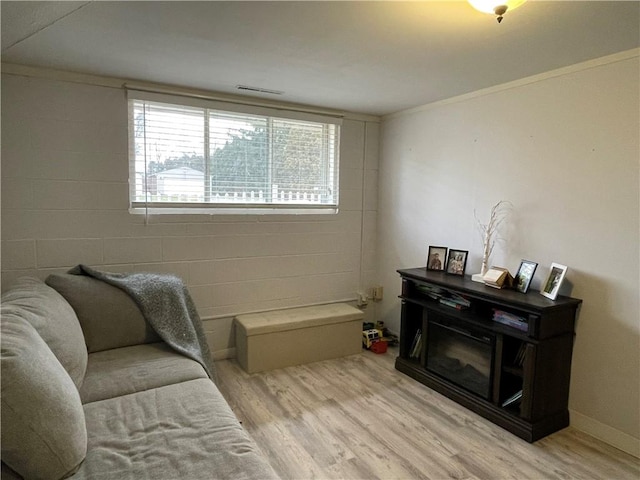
(65, 201)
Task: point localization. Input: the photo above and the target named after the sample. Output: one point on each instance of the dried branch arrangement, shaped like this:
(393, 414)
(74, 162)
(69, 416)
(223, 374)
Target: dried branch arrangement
(489, 230)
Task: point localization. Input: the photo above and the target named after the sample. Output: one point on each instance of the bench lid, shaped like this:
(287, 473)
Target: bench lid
(294, 318)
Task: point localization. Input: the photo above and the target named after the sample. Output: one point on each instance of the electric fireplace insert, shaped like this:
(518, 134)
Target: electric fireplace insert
(461, 355)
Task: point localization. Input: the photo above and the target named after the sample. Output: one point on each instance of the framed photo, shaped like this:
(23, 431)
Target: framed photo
(524, 275)
(457, 261)
(552, 284)
(437, 258)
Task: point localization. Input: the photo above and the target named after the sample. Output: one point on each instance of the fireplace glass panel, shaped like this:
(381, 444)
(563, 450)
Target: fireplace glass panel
(462, 357)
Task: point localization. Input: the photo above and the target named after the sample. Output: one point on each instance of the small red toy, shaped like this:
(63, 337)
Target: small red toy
(379, 347)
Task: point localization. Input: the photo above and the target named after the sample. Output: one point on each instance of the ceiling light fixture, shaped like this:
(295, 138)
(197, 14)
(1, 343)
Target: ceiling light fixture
(496, 7)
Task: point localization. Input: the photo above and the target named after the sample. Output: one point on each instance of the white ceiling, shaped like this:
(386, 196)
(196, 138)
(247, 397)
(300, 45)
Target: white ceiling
(374, 57)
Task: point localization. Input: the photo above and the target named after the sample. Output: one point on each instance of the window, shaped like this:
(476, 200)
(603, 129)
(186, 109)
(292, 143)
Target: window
(198, 156)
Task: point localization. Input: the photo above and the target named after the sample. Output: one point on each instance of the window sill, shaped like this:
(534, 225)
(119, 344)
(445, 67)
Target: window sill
(328, 210)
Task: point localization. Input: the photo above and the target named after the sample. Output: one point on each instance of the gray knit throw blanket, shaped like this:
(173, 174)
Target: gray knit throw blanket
(166, 304)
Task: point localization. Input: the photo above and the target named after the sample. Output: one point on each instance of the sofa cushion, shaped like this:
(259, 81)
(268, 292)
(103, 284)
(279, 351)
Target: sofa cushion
(43, 425)
(6, 473)
(122, 371)
(109, 317)
(184, 431)
(54, 320)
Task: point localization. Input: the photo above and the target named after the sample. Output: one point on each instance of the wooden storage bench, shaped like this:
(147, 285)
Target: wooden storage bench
(282, 338)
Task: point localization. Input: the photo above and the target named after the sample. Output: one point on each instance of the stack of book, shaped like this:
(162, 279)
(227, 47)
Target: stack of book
(513, 399)
(445, 297)
(510, 319)
(416, 345)
(430, 291)
(454, 300)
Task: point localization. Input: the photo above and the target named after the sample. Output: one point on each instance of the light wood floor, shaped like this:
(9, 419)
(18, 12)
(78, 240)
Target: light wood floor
(359, 418)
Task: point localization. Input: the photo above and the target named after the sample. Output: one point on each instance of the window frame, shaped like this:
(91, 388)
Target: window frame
(332, 148)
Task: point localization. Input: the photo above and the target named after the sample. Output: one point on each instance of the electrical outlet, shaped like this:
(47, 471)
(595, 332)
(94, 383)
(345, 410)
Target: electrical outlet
(376, 293)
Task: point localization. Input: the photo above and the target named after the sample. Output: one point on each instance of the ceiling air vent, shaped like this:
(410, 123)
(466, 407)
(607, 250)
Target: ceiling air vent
(258, 90)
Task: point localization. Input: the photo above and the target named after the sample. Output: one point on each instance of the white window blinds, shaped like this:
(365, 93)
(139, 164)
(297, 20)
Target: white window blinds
(189, 154)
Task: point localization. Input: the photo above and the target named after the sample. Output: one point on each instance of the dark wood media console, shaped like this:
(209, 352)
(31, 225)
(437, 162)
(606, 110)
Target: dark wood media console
(515, 375)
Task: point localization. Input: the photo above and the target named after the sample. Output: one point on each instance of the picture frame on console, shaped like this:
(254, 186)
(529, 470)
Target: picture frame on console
(437, 258)
(525, 275)
(554, 280)
(457, 262)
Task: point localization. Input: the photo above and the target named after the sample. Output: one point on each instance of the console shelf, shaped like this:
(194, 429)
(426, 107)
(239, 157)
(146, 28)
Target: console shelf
(516, 376)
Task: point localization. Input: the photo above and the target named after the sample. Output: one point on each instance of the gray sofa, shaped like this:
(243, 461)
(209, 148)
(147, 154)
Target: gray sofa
(90, 391)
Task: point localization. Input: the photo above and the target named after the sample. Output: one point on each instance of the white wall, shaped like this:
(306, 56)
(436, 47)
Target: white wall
(65, 201)
(564, 149)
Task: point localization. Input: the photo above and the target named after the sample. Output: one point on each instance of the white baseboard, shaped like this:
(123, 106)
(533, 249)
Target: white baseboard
(607, 434)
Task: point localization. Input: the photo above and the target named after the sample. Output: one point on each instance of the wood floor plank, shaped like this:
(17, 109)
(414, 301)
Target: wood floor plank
(358, 418)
